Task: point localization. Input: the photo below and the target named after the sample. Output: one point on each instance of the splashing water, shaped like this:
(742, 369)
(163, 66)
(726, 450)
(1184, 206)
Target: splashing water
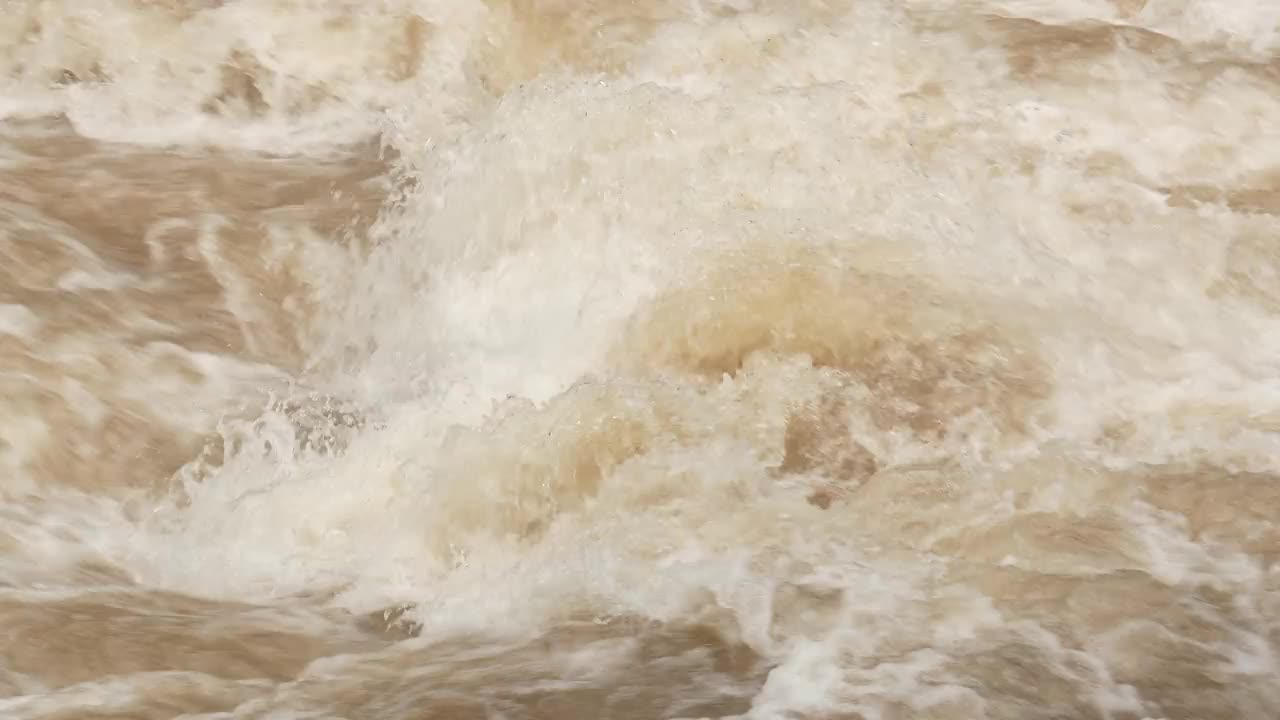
(578, 359)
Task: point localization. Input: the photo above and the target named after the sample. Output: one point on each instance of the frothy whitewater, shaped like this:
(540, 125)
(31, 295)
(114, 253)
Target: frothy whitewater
(481, 359)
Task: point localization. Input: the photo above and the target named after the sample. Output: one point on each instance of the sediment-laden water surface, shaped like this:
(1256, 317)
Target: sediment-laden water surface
(462, 359)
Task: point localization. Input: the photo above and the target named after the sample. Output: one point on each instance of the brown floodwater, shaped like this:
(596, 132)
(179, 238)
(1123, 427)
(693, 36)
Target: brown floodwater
(497, 359)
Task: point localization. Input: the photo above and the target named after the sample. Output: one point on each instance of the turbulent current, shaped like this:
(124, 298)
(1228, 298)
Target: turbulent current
(592, 359)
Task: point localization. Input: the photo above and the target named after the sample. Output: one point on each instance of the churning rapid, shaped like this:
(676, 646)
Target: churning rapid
(463, 359)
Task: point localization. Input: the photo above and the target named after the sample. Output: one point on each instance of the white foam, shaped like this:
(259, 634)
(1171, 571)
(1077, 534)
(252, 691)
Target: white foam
(18, 320)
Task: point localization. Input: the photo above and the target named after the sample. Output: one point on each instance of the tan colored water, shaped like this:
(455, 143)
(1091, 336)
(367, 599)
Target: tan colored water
(575, 359)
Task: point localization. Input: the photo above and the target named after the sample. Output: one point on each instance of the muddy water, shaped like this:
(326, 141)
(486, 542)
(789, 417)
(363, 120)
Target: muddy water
(572, 359)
